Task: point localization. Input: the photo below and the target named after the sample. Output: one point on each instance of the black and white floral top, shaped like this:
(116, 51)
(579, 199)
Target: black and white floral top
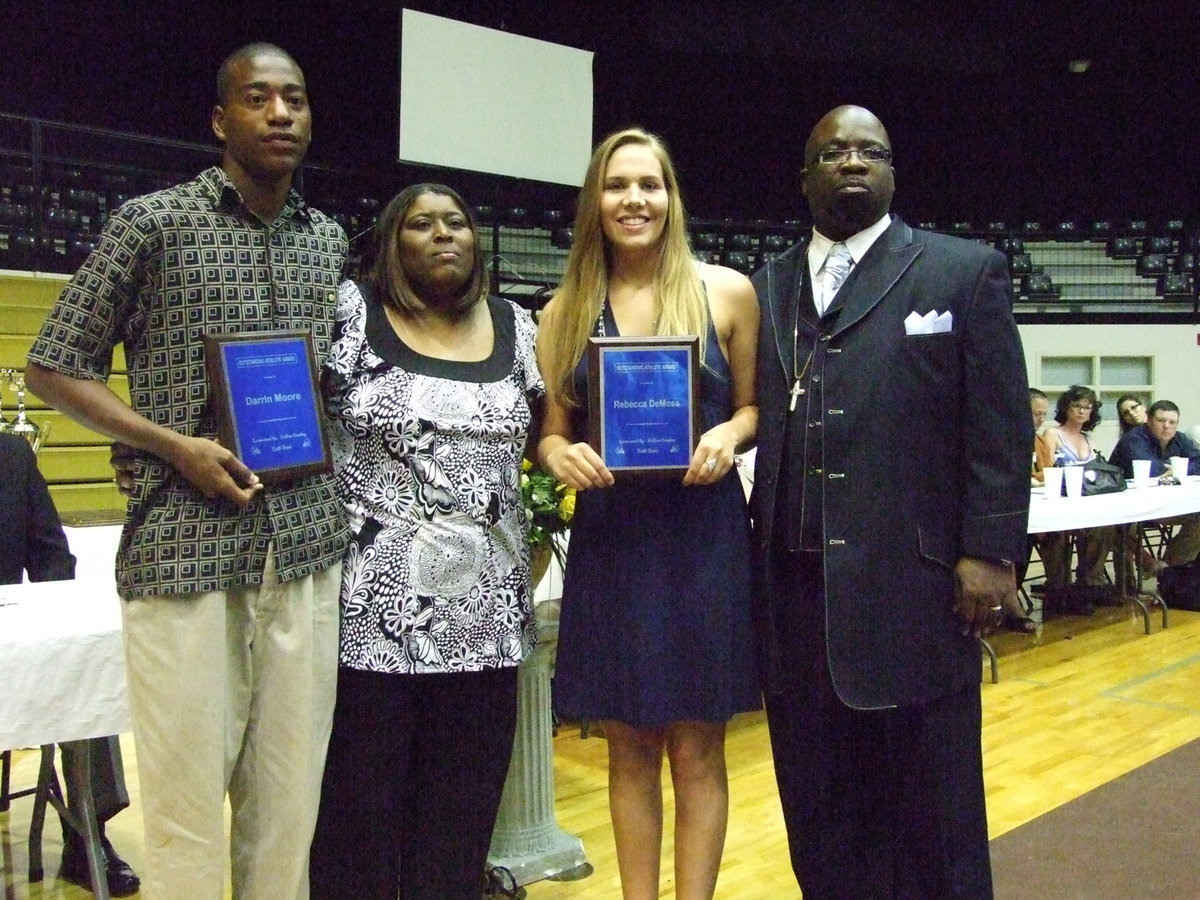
(428, 455)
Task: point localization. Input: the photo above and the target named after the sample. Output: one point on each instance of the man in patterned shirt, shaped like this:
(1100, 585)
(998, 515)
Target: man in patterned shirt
(231, 588)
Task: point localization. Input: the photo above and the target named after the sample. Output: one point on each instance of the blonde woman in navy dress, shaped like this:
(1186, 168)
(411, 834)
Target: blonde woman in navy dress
(655, 637)
(431, 383)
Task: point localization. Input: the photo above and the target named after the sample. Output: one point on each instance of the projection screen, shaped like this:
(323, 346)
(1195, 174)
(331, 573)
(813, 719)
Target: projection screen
(488, 101)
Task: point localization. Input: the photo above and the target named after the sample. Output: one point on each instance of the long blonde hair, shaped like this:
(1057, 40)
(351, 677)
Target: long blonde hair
(680, 303)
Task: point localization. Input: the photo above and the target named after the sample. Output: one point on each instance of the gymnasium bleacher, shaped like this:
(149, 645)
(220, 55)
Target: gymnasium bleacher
(58, 184)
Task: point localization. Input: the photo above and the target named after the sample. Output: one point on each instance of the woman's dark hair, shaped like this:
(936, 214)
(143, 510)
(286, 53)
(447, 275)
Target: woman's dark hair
(1075, 394)
(387, 275)
(1125, 426)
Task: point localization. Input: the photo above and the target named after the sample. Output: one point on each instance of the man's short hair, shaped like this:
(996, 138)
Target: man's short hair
(1034, 393)
(1166, 405)
(249, 51)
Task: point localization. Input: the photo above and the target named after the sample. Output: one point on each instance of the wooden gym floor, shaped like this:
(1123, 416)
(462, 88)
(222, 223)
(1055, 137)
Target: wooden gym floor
(1078, 704)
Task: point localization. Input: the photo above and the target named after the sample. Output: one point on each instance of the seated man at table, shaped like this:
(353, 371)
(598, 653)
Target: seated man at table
(32, 542)
(1039, 407)
(1158, 440)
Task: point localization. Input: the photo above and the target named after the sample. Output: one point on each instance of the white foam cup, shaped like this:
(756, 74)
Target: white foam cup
(1054, 481)
(1141, 472)
(1179, 467)
(1073, 479)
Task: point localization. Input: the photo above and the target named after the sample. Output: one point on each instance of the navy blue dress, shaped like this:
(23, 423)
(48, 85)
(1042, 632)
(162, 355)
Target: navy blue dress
(655, 623)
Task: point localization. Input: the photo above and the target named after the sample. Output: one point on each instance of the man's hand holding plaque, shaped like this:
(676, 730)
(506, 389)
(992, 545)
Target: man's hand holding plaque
(268, 404)
(214, 470)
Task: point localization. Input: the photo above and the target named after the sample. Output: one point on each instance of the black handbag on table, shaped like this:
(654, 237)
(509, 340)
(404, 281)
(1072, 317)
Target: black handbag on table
(1100, 477)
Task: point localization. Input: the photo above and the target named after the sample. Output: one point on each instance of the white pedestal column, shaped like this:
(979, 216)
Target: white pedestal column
(527, 840)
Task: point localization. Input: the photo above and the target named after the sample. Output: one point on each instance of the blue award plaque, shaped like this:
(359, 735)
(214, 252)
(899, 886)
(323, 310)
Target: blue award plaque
(267, 400)
(644, 396)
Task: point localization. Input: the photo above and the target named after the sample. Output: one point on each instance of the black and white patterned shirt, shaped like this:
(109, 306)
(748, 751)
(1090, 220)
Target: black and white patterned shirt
(429, 462)
(170, 267)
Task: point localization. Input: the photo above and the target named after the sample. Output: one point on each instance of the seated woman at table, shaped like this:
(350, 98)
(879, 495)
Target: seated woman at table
(1131, 412)
(1069, 443)
(433, 385)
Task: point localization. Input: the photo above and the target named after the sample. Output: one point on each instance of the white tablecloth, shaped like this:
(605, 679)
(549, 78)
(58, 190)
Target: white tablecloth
(1142, 504)
(62, 663)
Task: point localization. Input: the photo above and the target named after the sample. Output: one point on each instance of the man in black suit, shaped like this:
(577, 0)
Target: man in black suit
(891, 496)
(32, 542)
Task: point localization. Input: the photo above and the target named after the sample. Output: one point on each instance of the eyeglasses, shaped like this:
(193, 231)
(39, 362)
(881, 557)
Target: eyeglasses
(1082, 406)
(866, 154)
(1128, 410)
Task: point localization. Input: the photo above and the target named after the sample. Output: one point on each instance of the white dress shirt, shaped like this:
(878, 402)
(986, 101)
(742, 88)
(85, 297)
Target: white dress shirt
(857, 244)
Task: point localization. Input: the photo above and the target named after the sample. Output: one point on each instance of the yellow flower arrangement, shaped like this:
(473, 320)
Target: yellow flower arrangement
(549, 506)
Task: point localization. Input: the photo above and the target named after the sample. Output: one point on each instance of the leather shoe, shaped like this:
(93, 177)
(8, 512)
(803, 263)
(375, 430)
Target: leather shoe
(1020, 624)
(1068, 601)
(122, 880)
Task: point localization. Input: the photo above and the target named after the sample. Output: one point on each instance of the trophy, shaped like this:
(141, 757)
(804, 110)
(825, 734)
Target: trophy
(22, 425)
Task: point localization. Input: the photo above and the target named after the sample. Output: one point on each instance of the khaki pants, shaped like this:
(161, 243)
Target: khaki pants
(232, 692)
(1184, 545)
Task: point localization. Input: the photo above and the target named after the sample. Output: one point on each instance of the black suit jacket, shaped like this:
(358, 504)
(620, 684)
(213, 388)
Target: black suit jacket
(925, 455)
(31, 536)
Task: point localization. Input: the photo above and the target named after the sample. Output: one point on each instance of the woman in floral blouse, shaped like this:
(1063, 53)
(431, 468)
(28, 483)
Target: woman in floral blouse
(431, 383)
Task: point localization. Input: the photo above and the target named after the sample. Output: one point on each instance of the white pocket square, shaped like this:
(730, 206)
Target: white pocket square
(932, 322)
